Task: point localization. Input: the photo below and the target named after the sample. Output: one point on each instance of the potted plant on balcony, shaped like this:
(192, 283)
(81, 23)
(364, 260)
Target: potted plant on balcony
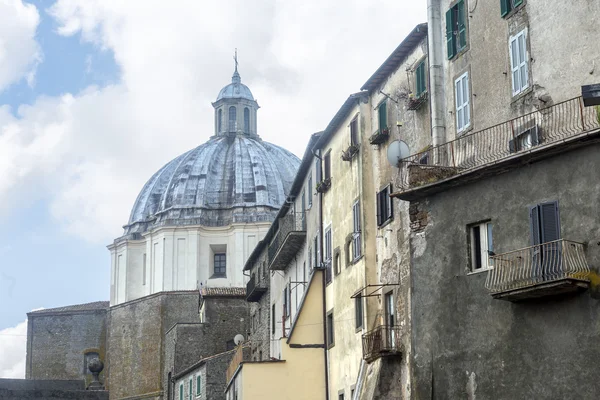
(415, 102)
(380, 136)
(324, 185)
(350, 152)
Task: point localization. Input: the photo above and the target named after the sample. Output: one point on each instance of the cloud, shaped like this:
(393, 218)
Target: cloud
(19, 51)
(13, 342)
(90, 153)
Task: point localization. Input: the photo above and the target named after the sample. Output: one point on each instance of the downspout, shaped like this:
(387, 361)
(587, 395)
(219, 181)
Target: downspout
(323, 284)
(436, 72)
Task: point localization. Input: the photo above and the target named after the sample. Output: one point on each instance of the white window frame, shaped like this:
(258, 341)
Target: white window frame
(356, 231)
(198, 385)
(519, 65)
(462, 94)
(487, 229)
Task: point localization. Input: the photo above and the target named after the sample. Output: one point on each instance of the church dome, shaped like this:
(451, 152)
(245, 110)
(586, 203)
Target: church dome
(229, 179)
(236, 89)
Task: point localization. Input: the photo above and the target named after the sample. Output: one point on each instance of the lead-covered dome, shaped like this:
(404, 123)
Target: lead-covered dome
(223, 181)
(236, 89)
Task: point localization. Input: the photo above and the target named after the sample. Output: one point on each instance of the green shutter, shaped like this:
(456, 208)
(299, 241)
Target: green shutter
(504, 7)
(382, 116)
(450, 41)
(198, 385)
(462, 26)
(421, 79)
(517, 3)
(181, 391)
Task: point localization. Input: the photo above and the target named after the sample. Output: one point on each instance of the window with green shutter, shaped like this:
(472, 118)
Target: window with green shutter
(382, 112)
(421, 79)
(181, 391)
(506, 6)
(191, 390)
(456, 29)
(198, 385)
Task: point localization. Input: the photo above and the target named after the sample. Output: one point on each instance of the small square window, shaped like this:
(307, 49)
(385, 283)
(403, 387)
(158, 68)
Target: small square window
(481, 246)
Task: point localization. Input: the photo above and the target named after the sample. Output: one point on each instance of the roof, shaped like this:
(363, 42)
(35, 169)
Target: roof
(339, 117)
(397, 57)
(223, 292)
(203, 361)
(305, 165)
(96, 305)
(236, 89)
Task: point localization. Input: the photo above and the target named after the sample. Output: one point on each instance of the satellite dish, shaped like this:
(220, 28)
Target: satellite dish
(238, 339)
(396, 151)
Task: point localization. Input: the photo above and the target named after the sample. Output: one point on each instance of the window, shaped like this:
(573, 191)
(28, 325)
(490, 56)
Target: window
(273, 319)
(220, 268)
(456, 29)
(318, 170)
(181, 391)
(382, 114)
(144, 270)
(287, 302)
(356, 234)
(310, 264)
(232, 119)
(191, 389)
(327, 166)
(330, 331)
(507, 6)
(328, 255)
(246, 120)
(526, 137)
(341, 396)
(384, 206)
(420, 79)
(198, 385)
(545, 223)
(337, 265)
(358, 311)
(220, 120)
(482, 245)
(303, 215)
(463, 98)
(354, 132)
(310, 190)
(518, 62)
(316, 249)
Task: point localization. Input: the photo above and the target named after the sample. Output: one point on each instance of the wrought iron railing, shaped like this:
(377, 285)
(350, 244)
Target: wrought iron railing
(381, 341)
(548, 262)
(545, 126)
(291, 222)
(255, 287)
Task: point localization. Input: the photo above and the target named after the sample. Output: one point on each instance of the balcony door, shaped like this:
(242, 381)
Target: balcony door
(545, 233)
(390, 319)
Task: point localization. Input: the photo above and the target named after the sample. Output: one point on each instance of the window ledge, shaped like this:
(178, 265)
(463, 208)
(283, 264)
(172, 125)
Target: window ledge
(479, 271)
(517, 97)
(215, 276)
(386, 223)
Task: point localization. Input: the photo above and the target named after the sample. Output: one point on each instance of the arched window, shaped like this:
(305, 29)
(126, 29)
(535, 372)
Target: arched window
(219, 120)
(232, 119)
(246, 120)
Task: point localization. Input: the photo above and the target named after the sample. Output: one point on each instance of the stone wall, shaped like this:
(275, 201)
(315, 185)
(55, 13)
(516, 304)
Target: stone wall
(466, 344)
(57, 343)
(212, 372)
(260, 312)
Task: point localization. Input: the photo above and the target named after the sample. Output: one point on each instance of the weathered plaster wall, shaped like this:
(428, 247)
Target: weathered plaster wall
(260, 312)
(563, 55)
(468, 345)
(57, 343)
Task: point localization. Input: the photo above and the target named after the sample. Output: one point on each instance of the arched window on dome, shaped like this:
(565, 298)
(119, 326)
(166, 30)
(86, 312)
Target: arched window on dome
(246, 120)
(232, 119)
(219, 121)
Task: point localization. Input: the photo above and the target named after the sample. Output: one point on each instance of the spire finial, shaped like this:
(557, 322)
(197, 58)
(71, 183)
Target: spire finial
(236, 76)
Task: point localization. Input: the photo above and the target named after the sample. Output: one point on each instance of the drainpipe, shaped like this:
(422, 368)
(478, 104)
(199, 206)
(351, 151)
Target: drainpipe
(323, 284)
(436, 72)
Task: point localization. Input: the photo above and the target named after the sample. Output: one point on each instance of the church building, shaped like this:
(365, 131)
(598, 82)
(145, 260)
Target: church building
(177, 288)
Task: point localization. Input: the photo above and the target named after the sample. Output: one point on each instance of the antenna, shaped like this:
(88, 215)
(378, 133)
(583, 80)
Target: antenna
(396, 151)
(238, 339)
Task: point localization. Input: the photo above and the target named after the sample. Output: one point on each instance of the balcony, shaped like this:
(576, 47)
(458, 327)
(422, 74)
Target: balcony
(495, 148)
(548, 269)
(381, 342)
(255, 289)
(287, 241)
(380, 137)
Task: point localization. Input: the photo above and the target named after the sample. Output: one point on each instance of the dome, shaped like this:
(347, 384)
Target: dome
(236, 89)
(223, 181)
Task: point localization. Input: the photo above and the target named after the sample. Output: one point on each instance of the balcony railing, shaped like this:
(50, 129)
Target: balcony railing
(381, 341)
(288, 240)
(255, 289)
(547, 269)
(549, 125)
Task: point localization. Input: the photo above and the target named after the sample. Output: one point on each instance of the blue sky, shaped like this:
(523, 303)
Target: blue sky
(97, 95)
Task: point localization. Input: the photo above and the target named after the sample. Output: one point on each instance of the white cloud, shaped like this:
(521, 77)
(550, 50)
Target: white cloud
(19, 52)
(91, 152)
(13, 342)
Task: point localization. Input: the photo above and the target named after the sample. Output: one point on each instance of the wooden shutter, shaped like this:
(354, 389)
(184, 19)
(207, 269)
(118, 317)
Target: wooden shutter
(421, 85)
(504, 7)
(534, 223)
(461, 41)
(549, 222)
(318, 170)
(382, 116)
(450, 38)
(389, 202)
(517, 3)
(379, 218)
